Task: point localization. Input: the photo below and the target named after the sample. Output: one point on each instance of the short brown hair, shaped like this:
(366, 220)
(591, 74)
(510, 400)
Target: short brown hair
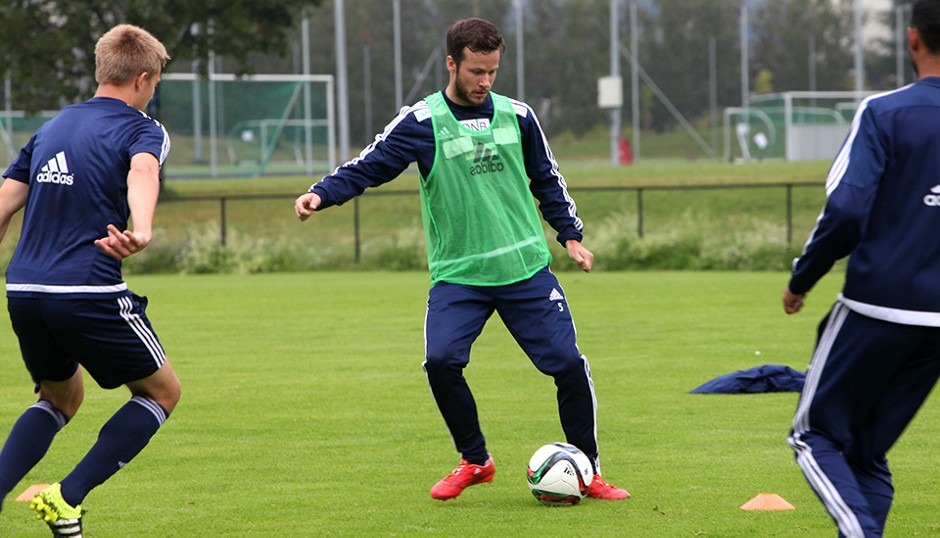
(126, 51)
(478, 35)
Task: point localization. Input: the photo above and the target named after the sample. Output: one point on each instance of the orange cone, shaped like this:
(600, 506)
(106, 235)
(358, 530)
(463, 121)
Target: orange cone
(767, 501)
(31, 492)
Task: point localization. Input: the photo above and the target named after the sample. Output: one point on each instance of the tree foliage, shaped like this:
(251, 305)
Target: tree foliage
(48, 45)
(890, 64)
(567, 48)
(674, 50)
(806, 44)
(565, 55)
(48, 50)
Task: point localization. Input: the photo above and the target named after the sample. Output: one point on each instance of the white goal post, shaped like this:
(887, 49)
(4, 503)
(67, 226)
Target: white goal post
(795, 126)
(247, 134)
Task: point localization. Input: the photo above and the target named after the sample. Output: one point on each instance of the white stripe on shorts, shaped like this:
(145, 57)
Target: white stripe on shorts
(141, 330)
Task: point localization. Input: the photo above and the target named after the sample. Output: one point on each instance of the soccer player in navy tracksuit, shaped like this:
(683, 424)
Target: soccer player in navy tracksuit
(81, 176)
(476, 153)
(878, 352)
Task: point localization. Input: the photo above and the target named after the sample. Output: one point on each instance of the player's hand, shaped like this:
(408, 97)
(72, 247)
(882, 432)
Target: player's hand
(306, 204)
(792, 302)
(120, 245)
(582, 256)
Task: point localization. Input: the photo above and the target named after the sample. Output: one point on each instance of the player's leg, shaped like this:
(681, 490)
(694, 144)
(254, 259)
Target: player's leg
(116, 344)
(66, 396)
(33, 432)
(126, 433)
(59, 383)
(455, 317)
(537, 315)
(875, 484)
(854, 361)
(904, 394)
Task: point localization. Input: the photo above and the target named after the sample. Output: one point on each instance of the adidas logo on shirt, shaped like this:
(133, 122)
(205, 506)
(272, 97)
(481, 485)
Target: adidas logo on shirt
(933, 199)
(56, 171)
(556, 296)
(485, 161)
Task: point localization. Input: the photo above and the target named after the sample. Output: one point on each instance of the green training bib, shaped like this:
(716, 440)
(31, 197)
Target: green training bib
(481, 224)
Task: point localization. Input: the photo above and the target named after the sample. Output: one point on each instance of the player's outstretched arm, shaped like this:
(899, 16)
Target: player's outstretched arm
(306, 204)
(582, 256)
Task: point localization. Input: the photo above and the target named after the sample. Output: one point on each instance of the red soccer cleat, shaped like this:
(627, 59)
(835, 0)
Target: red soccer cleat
(600, 489)
(465, 475)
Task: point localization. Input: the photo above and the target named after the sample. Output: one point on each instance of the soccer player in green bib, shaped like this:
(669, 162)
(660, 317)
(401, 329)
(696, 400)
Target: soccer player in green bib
(482, 158)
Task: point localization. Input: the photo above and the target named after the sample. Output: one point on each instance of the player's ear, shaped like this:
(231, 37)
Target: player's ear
(140, 80)
(913, 39)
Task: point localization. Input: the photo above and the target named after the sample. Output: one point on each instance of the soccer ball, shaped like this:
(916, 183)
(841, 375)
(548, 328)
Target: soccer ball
(559, 474)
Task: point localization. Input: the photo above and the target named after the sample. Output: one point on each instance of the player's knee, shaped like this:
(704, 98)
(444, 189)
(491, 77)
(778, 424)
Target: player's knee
(66, 401)
(561, 363)
(169, 394)
(68, 406)
(442, 360)
(167, 397)
(163, 387)
(865, 458)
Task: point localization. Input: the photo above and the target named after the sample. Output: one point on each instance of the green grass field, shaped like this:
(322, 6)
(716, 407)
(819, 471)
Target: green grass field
(305, 413)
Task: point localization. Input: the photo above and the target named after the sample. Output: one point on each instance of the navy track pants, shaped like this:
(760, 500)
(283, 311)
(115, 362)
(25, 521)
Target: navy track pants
(866, 381)
(536, 313)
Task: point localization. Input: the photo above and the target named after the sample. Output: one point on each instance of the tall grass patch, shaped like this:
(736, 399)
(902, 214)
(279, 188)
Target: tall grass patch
(689, 228)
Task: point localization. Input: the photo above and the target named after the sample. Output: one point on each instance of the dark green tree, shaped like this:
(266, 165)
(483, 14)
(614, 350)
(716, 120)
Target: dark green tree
(884, 53)
(424, 24)
(675, 37)
(48, 46)
(567, 50)
(804, 44)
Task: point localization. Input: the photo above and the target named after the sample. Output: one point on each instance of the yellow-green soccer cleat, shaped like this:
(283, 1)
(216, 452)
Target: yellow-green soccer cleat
(64, 520)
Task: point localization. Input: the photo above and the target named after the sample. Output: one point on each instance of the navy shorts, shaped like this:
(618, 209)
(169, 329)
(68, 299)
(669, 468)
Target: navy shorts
(111, 338)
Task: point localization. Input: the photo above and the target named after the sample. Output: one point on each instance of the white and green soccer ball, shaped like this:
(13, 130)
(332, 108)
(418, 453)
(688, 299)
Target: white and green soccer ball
(559, 474)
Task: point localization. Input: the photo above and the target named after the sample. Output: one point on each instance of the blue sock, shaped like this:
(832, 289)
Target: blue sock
(28, 442)
(121, 438)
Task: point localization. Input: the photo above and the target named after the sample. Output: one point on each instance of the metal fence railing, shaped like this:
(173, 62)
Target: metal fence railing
(641, 205)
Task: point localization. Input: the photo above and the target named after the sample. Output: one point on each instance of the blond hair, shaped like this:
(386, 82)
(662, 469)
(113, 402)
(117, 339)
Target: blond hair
(126, 51)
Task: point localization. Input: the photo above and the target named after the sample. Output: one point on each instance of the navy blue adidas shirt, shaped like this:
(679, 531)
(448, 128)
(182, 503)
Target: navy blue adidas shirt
(409, 138)
(76, 165)
(883, 209)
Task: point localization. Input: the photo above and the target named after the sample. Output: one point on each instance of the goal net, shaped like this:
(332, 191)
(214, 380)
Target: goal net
(796, 126)
(256, 125)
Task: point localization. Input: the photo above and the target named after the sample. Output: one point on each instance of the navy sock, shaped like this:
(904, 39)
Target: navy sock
(478, 461)
(28, 442)
(121, 438)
